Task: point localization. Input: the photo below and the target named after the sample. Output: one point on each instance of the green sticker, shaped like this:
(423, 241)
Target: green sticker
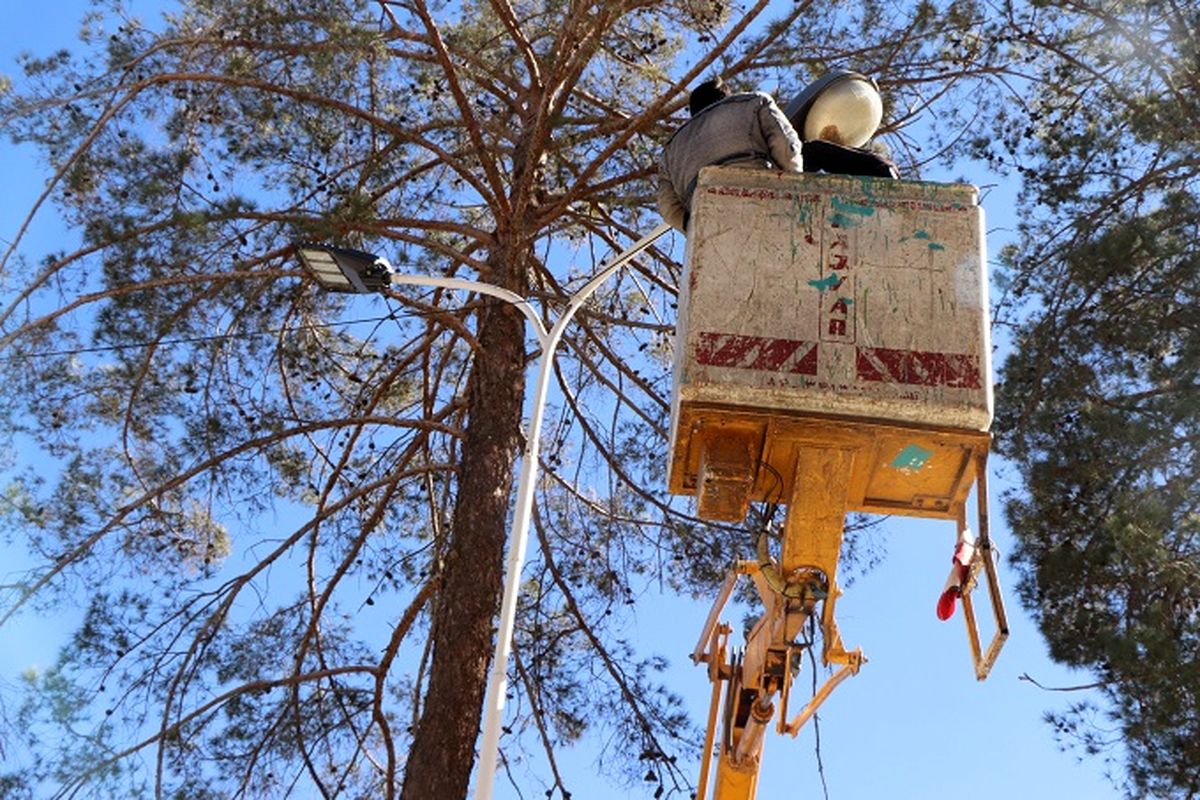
(912, 458)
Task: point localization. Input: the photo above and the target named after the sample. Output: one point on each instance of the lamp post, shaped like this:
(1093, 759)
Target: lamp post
(343, 270)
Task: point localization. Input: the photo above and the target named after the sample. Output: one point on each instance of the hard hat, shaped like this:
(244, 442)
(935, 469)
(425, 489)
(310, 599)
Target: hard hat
(841, 106)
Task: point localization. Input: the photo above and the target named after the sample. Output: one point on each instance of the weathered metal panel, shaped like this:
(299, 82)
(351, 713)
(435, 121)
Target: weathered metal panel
(896, 469)
(833, 295)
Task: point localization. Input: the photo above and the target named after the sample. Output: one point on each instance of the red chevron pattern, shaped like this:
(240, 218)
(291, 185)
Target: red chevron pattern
(756, 352)
(916, 368)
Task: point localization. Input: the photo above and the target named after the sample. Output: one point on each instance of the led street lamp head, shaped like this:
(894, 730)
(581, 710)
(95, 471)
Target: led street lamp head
(340, 269)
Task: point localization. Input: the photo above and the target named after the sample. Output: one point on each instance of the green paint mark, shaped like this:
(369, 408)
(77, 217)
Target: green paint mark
(847, 214)
(801, 211)
(846, 300)
(912, 458)
(848, 207)
(924, 236)
(828, 282)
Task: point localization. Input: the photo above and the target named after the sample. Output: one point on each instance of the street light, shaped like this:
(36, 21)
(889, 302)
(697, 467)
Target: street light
(340, 269)
(343, 270)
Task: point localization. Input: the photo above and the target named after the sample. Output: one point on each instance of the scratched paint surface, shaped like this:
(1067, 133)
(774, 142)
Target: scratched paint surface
(849, 214)
(822, 284)
(923, 236)
(756, 353)
(917, 368)
(836, 295)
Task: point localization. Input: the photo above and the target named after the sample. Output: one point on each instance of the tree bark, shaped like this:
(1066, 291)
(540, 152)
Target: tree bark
(443, 751)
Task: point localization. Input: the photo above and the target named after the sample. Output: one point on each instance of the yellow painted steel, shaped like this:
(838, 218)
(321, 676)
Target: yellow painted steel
(735, 782)
(816, 516)
(897, 469)
(820, 468)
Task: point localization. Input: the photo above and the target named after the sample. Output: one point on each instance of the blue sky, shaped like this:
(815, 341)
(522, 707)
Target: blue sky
(914, 723)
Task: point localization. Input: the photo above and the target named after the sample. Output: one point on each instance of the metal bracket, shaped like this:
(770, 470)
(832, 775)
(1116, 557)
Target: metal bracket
(985, 561)
(810, 708)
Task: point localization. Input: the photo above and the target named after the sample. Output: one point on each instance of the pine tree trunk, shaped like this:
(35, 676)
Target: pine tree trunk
(443, 751)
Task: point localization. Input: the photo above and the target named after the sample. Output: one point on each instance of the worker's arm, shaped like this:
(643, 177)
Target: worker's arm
(670, 205)
(782, 141)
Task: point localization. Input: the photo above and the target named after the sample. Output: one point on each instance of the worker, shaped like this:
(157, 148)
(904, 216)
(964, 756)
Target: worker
(746, 129)
(838, 113)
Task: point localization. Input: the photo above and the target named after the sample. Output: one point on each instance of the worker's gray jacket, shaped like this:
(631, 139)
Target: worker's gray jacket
(744, 129)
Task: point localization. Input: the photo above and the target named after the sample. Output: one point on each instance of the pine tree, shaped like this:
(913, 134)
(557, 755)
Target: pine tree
(283, 512)
(1098, 402)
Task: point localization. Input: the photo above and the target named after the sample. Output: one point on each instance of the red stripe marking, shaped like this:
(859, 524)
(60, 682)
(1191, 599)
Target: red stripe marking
(756, 352)
(916, 368)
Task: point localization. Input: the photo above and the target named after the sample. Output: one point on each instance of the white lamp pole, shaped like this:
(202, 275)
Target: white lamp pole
(493, 710)
(327, 264)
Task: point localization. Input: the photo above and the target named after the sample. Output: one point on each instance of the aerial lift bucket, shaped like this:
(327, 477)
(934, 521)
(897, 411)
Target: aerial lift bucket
(833, 355)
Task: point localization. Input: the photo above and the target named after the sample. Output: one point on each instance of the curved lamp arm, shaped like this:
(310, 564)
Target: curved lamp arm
(344, 270)
(512, 298)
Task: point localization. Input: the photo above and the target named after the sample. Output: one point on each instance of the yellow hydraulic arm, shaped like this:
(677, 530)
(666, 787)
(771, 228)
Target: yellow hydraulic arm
(790, 587)
(752, 686)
